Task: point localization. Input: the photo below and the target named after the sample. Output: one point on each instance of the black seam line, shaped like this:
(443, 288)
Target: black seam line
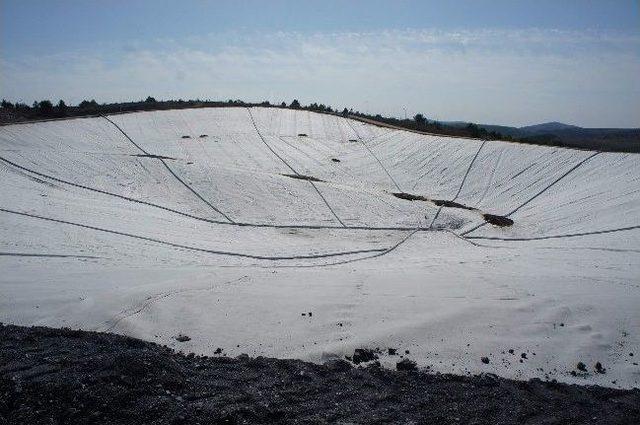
(374, 156)
(27, 254)
(468, 170)
(171, 171)
(192, 248)
(291, 168)
(540, 192)
(125, 134)
(353, 260)
(435, 217)
(568, 235)
(207, 220)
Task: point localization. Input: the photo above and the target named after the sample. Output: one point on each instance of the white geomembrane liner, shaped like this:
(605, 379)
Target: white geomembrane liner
(223, 239)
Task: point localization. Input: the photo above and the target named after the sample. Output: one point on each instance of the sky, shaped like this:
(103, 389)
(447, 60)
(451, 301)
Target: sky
(499, 62)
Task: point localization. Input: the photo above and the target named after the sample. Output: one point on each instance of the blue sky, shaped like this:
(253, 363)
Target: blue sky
(505, 62)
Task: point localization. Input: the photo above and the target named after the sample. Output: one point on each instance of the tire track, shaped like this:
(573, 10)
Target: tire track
(192, 190)
(192, 248)
(133, 311)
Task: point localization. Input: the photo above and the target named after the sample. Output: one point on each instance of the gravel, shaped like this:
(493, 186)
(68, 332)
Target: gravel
(57, 376)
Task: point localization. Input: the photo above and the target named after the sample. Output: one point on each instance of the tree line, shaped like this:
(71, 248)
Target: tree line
(45, 109)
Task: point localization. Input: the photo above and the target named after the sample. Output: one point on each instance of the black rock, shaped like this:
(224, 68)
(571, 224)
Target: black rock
(362, 355)
(406, 364)
(485, 360)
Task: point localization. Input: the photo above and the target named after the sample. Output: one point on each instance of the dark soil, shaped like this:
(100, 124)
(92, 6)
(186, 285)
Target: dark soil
(406, 364)
(498, 220)
(362, 355)
(303, 177)
(57, 376)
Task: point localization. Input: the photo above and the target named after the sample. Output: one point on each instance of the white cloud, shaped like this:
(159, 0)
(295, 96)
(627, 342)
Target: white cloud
(500, 76)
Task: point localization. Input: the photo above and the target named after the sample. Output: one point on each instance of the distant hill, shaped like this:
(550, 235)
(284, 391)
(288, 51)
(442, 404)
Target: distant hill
(560, 134)
(547, 127)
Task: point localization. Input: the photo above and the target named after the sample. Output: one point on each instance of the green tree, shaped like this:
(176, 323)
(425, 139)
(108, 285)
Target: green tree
(6, 104)
(295, 104)
(45, 108)
(62, 108)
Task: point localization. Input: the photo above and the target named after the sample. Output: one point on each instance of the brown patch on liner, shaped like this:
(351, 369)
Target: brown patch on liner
(186, 137)
(409, 197)
(437, 202)
(353, 140)
(302, 135)
(450, 204)
(497, 220)
(303, 177)
(202, 136)
(335, 159)
(144, 155)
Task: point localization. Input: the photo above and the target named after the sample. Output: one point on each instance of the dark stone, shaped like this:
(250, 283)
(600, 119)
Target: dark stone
(406, 364)
(363, 355)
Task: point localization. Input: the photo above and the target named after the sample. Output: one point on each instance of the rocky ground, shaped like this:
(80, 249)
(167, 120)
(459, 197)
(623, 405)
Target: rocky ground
(57, 376)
